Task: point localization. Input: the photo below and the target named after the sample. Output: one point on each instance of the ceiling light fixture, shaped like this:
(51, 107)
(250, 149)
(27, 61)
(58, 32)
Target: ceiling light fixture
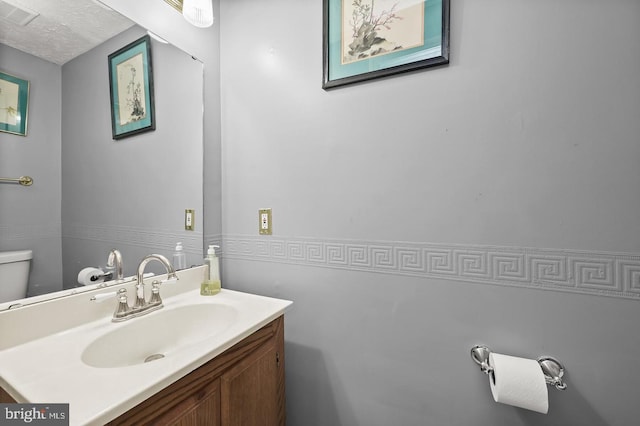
(198, 12)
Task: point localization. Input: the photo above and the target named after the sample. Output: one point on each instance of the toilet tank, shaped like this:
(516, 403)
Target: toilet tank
(14, 274)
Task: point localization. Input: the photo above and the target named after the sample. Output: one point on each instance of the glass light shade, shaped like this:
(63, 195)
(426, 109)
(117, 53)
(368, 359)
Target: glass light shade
(198, 12)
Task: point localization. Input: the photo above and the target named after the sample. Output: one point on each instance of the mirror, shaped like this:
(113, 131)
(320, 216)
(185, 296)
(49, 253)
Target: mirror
(92, 193)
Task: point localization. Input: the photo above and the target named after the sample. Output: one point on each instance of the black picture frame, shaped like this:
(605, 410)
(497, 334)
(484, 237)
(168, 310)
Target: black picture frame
(131, 89)
(358, 42)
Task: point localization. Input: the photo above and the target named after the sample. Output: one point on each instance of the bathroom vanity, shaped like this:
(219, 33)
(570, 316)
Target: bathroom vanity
(216, 360)
(242, 386)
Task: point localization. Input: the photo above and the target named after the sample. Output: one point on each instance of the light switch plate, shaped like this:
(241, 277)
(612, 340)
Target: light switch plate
(189, 219)
(264, 221)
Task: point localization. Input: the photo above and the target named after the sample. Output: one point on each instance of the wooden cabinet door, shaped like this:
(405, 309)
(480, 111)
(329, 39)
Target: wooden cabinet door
(190, 402)
(252, 391)
(200, 408)
(249, 391)
(5, 398)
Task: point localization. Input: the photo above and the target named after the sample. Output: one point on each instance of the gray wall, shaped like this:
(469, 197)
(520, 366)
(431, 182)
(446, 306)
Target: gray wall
(30, 216)
(490, 201)
(511, 170)
(130, 194)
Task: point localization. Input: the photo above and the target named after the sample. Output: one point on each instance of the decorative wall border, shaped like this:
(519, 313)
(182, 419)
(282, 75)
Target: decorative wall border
(587, 272)
(136, 236)
(213, 239)
(30, 231)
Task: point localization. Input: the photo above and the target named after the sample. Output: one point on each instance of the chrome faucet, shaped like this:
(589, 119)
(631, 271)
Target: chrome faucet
(141, 306)
(171, 273)
(155, 302)
(115, 261)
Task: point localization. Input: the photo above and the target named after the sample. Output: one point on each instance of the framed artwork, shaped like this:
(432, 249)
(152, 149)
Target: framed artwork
(14, 104)
(367, 39)
(131, 86)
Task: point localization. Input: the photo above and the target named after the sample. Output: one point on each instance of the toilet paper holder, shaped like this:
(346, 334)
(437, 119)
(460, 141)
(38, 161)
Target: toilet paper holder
(552, 369)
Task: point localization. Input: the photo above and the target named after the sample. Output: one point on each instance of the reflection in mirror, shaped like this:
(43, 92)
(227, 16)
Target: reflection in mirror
(90, 192)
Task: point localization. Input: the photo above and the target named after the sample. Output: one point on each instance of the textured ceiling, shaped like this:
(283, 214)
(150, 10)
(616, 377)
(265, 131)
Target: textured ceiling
(63, 30)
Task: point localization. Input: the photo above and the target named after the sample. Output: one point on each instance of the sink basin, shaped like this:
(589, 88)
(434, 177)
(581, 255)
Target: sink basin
(158, 335)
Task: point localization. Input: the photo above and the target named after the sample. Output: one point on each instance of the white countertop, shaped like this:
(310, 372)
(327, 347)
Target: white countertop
(49, 369)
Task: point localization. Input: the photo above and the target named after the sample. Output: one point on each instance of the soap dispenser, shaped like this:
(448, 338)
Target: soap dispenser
(211, 284)
(179, 258)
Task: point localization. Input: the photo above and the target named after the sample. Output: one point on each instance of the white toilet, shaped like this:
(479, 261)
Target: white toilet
(14, 274)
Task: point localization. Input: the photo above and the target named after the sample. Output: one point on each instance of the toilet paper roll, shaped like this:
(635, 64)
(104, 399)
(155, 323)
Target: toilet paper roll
(84, 276)
(518, 382)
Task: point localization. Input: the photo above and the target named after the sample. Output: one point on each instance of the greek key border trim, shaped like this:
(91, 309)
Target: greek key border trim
(159, 239)
(586, 272)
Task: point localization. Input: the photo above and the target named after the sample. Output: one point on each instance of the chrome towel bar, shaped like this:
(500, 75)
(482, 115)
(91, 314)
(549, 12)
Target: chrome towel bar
(22, 180)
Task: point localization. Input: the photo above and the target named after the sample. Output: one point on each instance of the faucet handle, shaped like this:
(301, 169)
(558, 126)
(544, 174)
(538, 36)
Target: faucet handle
(155, 294)
(123, 309)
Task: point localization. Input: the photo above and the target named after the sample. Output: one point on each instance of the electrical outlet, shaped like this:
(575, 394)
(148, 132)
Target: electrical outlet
(264, 221)
(189, 219)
